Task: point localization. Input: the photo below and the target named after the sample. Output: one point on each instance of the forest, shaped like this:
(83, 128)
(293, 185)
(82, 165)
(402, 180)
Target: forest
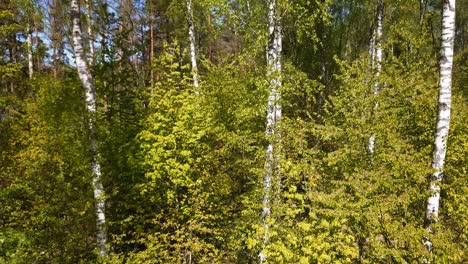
(233, 131)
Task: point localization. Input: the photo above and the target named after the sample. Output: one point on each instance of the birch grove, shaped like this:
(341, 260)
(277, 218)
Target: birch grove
(233, 131)
(91, 105)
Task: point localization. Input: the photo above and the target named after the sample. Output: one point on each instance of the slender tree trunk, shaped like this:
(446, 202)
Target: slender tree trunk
(54, 66)
(36, 40)
(30, 52)
(274, 113)
(193, 54)
(422, 10)
(278, 107)
(323, 72)
(91, 101)
(151, 44)
(372, 49)
(378, 65)
(443, 112)
(56, 29)
(90, 32)
(210, 29)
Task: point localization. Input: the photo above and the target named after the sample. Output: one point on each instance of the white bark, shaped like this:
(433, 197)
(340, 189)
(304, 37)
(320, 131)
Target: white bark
(91, 100)
(378, 64)
(274, 113)
(193, 54)
(30, 52)
(372, 49)
(90, 32)
(443, 112)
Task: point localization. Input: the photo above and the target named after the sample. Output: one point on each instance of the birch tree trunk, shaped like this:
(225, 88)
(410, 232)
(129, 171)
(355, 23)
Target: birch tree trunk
(90, 32)
(372, 49)
(91, 100)
(274, 113)
(30, 52)
(377, 56)
(443, 112)
(193, 54)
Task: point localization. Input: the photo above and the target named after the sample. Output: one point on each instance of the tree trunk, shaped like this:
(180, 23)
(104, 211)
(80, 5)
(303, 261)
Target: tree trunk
(56, 30)
(274, 113)
(372, 49)
(378, 64)
(36, 40)
(443, 112)
(422, 10)
(91, 100)
(193, 54)
(90, 32)
(30, 52)
(151, 22)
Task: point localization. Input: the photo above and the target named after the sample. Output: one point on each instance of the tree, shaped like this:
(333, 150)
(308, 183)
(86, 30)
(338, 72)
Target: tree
(57, 11)
(263, 159)
(376, 42)
(443, 113)
(91, 105)
(90, 32)
(30, 51)
(191, 35)
(274, 113)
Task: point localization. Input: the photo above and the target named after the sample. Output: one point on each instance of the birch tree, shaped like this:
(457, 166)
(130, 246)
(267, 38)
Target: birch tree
(274, 112)
(191, 35)
(91, 102)
(30, 52)
(376, 56)
(443, 112)
(90, 32)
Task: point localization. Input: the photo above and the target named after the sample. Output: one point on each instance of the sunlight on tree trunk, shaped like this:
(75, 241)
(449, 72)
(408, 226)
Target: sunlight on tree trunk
(91, 102)
(443, 112)
(274, 112)
(193, 54)
(377, 56)
(30, 52)
(90, 32)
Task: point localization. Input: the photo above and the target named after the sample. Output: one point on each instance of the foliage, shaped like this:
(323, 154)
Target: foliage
(183, 169)
(45, 215)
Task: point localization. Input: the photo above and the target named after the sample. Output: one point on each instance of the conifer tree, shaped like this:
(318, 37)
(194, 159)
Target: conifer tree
(263, 162)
